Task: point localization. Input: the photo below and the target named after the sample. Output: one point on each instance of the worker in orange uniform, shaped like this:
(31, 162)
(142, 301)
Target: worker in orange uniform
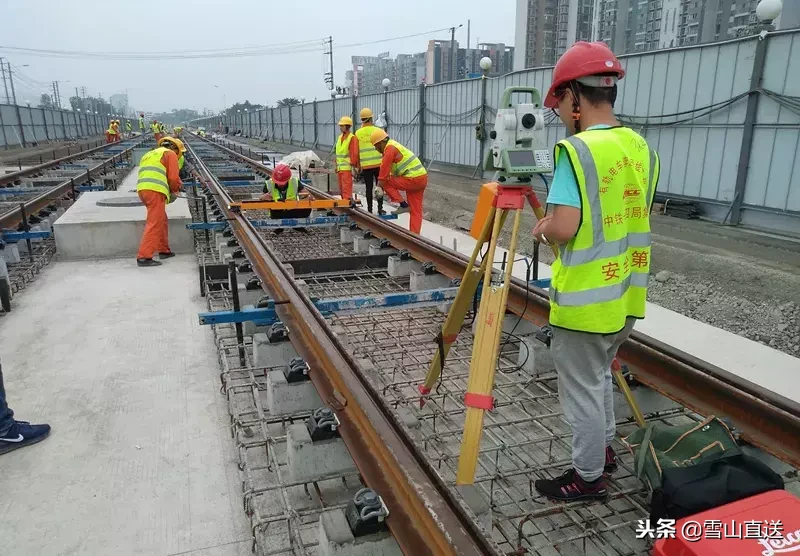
(346, 157)
(401, 170)
(117, 131)
(110, 132)
(369, 159)
(602, 192)
(156, 129)
(157, 186)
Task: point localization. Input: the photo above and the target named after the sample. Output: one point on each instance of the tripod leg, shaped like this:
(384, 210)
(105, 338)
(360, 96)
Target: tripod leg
(461, 304)
(485, 352)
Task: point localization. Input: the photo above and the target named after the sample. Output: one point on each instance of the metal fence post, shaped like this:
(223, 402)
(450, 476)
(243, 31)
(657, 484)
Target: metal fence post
(422, 121)
(272, 122)
(46, 132)
(63, 124)
(291, 133)
(482, 129)
(21, 127)
(316, 137)
(354, 112)
(756, 79)
(260, 127)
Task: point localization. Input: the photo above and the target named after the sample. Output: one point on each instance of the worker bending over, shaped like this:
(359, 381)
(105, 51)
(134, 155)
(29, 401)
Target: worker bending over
(369, 159)
(117, 131)
(110, 132)
(602, 191)
(401, 170)
(346, 157)
(159, 183)
(283, 186)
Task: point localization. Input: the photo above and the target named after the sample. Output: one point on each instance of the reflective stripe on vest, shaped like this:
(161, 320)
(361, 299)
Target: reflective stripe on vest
(291, 190)
(601, 275)
(368, 155)
(141, 123)
(127, 126)
(409, 166)
(152, 173)
(343, 153)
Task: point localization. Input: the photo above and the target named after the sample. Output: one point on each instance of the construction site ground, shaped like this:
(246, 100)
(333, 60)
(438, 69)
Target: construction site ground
(739, 280)
(10, 156)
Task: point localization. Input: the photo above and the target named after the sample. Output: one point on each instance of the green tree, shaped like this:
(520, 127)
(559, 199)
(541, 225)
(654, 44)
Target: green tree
(288, 101)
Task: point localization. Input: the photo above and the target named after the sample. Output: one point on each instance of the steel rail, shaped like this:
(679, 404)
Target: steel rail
(425, 517)
(13, 217)
(763, 418)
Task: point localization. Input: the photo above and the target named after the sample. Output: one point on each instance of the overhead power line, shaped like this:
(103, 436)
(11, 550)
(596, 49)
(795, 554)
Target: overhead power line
(279, 49)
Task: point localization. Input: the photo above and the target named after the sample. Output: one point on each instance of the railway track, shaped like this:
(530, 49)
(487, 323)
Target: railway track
(366, 365)
(34, 196)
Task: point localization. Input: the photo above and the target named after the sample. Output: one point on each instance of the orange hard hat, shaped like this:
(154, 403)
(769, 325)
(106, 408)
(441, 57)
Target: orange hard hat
(584, 59)
(281, 174)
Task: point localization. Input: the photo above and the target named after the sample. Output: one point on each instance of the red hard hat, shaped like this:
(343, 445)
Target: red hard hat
(582, 60)
(282, 174)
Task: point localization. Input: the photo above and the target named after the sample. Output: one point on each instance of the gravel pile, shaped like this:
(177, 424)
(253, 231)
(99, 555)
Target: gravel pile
(773, 324)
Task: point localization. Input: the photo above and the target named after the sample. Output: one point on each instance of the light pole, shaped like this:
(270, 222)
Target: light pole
(386, 82)
(768, 11)
(480, 131)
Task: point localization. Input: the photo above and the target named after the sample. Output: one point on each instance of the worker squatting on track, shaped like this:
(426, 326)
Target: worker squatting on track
(16, 434)
(401, 170)
(283, 186)
(158, 184)
(346, 157)
(369, 159)
(603, 187)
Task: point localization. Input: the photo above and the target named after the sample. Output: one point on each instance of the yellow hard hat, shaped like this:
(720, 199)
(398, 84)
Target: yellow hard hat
(377, 136)
(365, 114)
(346, 120)
(166, 141)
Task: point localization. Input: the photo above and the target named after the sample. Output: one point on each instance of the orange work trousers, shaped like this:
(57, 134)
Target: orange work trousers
(156, 228)
(345, 184)
(415, 189)
(158, 137)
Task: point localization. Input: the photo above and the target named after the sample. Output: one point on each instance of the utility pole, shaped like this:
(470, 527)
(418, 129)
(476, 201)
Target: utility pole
(5, 85)
(329, 76)
(19, 115)
(452, 48)
(55, 96)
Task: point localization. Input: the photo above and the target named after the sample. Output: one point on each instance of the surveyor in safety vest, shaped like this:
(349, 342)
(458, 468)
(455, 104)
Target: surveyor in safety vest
(401, 170)
(158, 184)
(283, 186)
(369, 159)
(603, 187)
(346, 157)
(128, 128)
(141, 123)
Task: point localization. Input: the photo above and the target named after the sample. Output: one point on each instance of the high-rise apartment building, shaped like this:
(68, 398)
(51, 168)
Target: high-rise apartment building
(546, 28)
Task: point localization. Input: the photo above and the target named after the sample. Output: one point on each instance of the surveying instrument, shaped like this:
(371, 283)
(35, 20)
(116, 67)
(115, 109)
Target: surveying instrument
(516, 156)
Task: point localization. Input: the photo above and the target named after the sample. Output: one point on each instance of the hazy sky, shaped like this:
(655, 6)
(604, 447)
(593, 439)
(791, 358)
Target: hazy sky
(158, 26)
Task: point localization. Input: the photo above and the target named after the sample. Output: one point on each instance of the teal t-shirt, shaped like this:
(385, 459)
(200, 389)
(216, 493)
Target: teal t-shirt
(564, 189)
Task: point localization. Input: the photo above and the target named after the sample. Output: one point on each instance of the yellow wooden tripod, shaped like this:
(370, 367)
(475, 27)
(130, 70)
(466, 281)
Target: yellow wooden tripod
(491, 313)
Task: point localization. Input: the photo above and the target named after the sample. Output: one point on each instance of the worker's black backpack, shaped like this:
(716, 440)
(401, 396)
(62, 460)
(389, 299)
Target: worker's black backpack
(694, 468)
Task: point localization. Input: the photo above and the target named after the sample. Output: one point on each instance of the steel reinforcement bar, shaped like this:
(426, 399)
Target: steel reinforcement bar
(13, 217)
(763, 418)
(424, 516)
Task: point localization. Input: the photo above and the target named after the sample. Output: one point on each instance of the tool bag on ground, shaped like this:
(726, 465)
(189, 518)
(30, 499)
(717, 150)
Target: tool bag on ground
(696, 467)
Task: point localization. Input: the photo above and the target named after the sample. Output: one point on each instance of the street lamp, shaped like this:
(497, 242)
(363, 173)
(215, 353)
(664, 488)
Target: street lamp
(768, 10)
(386, 82)
(486, 64)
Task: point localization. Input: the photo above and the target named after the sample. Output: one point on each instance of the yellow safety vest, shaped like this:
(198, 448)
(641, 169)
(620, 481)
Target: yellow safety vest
(409, 166)
(111, 130)
(127, 125)
(154, 128)
(367, 153)
(181, 162)
(141, 123)
(600, 277)
(343, 153)
(152, 173)
(291, 190)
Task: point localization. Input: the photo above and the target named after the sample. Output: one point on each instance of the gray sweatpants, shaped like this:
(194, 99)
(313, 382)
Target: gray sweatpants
(583, 362)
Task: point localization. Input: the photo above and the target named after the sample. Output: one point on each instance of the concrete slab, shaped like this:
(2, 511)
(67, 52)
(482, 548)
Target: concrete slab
(140, 460)
(87, 230)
